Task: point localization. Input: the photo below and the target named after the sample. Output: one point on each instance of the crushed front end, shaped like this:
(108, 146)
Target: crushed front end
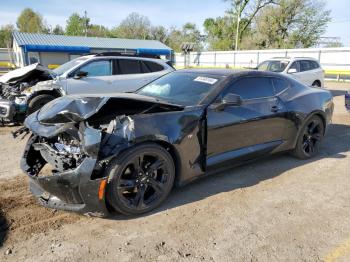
(13, 103)
(60, 161)
(73, 140)
(15, 91)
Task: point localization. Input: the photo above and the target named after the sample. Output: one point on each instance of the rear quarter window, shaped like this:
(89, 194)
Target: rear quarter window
(306, 65)
(315, 65)
(279, 85)
(152, 66)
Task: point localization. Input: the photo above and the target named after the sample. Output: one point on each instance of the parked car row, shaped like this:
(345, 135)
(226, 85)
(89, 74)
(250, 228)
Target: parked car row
(120, 132)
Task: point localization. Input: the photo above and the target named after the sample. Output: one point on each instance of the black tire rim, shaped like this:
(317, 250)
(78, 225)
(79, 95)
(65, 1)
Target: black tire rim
(312, 137)
(143, 181)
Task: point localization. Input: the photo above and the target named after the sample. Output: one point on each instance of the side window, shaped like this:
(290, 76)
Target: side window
(144, 67)
(295, 66)
(315, 65)
(279, 84)
(153, 67)
(305, 65)
(129, 66)
(252, 87)
(97, 68)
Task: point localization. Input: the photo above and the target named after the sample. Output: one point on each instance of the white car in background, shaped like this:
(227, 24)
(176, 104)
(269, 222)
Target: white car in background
(304, 69)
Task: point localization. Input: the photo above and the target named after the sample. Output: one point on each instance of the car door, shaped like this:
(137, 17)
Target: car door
(297, 75)
(132, 74)
(317, 71)
(306, 72)
(98, 80)
(246, 131)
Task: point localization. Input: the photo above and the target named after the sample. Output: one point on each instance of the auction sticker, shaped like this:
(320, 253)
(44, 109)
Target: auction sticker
(207, 80)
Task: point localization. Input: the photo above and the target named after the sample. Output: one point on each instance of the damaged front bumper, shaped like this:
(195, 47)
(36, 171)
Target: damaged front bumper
(10, 109)
(7, 109)
(72, 189)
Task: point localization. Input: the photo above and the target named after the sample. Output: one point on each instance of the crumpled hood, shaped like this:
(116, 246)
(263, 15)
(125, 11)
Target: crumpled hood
(21, 74)
(73, 109)
(70, 109)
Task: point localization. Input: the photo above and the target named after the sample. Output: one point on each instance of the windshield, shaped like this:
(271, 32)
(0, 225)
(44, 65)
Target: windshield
(181, 88)
(273, 66)
(66, 66)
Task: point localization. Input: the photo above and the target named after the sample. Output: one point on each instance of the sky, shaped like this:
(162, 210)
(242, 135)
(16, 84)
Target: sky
(160, 12)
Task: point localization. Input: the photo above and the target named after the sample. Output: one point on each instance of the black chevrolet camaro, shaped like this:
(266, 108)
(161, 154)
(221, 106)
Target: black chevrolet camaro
(125, 152)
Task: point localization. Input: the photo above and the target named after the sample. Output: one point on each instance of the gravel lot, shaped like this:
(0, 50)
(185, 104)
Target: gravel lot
(276, 209)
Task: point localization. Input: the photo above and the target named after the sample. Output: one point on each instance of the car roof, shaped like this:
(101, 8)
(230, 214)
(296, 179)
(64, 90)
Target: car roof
(228, 72)
(94, 56)
(290, 58)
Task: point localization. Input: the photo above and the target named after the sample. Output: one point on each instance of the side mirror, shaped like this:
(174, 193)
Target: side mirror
(292, 71)
(228, 100)
(80, 74)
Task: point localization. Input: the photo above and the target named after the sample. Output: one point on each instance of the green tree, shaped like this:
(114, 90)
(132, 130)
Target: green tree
(6, 35)
(77, 25)
(134, 26)
(98, 31)
(187, 34)
(291, 24)
(31, 22)
(220, 32)
(159, 33)
(58, 30)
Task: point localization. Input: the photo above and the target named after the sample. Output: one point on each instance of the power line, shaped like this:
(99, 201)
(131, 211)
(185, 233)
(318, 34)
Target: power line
(340, 21)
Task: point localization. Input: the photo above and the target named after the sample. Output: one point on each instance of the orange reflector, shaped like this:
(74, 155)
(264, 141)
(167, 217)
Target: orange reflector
(101, 189)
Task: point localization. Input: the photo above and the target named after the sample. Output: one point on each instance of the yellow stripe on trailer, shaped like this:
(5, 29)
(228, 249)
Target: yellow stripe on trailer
(5, 64)
(53, 66)
(337, 72)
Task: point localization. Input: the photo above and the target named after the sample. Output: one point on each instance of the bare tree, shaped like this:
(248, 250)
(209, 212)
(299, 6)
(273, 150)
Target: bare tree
(246, 9)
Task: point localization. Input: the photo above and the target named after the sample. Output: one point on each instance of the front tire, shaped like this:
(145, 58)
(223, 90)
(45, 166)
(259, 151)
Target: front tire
(140, 180)
(310, 138)
(38, 102)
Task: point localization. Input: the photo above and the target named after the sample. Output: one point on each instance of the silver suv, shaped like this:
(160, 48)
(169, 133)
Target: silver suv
(105, 73)
(304, 69)
(25, 90)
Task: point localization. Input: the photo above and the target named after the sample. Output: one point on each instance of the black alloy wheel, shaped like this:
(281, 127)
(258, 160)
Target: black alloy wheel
(140, 180)
(310, 138)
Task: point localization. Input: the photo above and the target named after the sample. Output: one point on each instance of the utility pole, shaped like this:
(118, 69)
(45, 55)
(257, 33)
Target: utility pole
(86, 23)
(237, 27)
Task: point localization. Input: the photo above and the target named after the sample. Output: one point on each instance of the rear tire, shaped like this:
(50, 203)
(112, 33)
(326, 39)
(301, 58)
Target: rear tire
(310, 138)
(38, 102)
(140, 180)
(316, 84)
